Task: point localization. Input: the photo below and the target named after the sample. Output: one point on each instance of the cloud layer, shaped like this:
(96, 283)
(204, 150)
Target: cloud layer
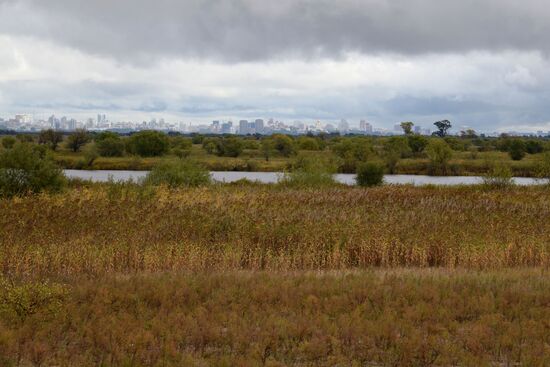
(481, 62)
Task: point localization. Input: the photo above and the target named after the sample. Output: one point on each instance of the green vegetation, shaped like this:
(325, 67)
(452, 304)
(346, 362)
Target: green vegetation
(309, 173)
(178, 173)
(148, 144)
(27, 168)
(467, 154)
(370, 174)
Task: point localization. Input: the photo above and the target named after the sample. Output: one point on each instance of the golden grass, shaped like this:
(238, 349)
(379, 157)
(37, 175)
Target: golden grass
(107, 229)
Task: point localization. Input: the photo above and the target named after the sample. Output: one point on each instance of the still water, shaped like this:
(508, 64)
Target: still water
(272, 177)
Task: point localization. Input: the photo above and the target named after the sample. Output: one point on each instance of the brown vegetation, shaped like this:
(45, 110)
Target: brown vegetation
(126, 229)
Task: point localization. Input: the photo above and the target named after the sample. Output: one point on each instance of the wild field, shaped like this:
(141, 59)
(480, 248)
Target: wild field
(266, 275)
(125, 229)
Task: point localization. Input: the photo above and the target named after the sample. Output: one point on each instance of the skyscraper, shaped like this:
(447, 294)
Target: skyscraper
(243, 127)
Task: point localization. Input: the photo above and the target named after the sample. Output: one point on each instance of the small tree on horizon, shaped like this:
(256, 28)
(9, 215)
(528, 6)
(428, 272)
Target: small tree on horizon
(407, 127)
(442, 127)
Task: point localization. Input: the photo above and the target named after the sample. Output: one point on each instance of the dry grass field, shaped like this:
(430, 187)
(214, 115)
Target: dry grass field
(262, 275)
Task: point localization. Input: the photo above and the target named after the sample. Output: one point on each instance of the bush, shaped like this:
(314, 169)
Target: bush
(517, 149)
(370, 174)
(8, 142)
(28, 169)
(229, 147)
(440, 154)
(51, 138)
(77, 139)
(308, 143)
(543, 167)
(534, 146)
(284, 145)
(417, 143)
(178, 173)
(149, 143)
(309, 173)
(110, 147)
(499, 176)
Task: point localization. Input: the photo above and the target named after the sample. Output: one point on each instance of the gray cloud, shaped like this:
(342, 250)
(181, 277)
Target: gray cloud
(242, 30)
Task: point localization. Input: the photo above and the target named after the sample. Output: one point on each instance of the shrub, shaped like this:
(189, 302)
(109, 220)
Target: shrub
(498, 176)
(110, 147)
(229, 147)
(517, 149)
(309, 173)
(394, 149)
(284, 145)
(440, 154)
(370, 174)
(178, 173)
(417, 143)
(181, 147)
(27, 169)
(51, 138)
(534, 146)
(543, 167)
(308, 143)
(8, 142)
(109, 144)
(148, 143)
(77, 139)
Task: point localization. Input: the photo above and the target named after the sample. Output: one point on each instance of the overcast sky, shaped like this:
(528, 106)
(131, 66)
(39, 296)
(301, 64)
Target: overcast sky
(479, 63)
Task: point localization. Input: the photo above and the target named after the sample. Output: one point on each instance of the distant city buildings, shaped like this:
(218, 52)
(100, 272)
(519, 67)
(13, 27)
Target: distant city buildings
(27, 122)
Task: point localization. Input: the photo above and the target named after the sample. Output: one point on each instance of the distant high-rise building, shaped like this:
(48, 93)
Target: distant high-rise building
(259, 126)
(343, 126)
(365, 127)
(417, 130)
(71, 124)
(243, 127)
(227, 127)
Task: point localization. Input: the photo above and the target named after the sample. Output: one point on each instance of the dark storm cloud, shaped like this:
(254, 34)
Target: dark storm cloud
(242, 30)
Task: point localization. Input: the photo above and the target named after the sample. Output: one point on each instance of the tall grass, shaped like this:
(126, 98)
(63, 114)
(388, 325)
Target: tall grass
(99, 230)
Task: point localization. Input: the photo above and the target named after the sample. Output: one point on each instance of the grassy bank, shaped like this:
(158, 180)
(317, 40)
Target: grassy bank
(373, 318)
(461, 164)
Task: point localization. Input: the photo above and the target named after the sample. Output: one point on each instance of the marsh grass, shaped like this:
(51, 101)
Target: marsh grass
(127, 228)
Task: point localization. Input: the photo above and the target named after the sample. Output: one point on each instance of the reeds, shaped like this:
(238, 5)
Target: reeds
(108, 229)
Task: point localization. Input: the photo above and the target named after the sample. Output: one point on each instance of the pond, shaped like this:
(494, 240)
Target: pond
(272, 177)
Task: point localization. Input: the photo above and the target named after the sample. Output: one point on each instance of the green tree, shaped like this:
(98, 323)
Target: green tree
(50, 138)
(229, 147)
(109, 144)
(181, 147)
(148, 143)
(284, 144)
(267, 148)
(394, 149)
(440, 154)
(517, 149)
(78, 139)
(28, 169)
(417, 143)
(308, 143)
(407, 127)
(442, 127)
